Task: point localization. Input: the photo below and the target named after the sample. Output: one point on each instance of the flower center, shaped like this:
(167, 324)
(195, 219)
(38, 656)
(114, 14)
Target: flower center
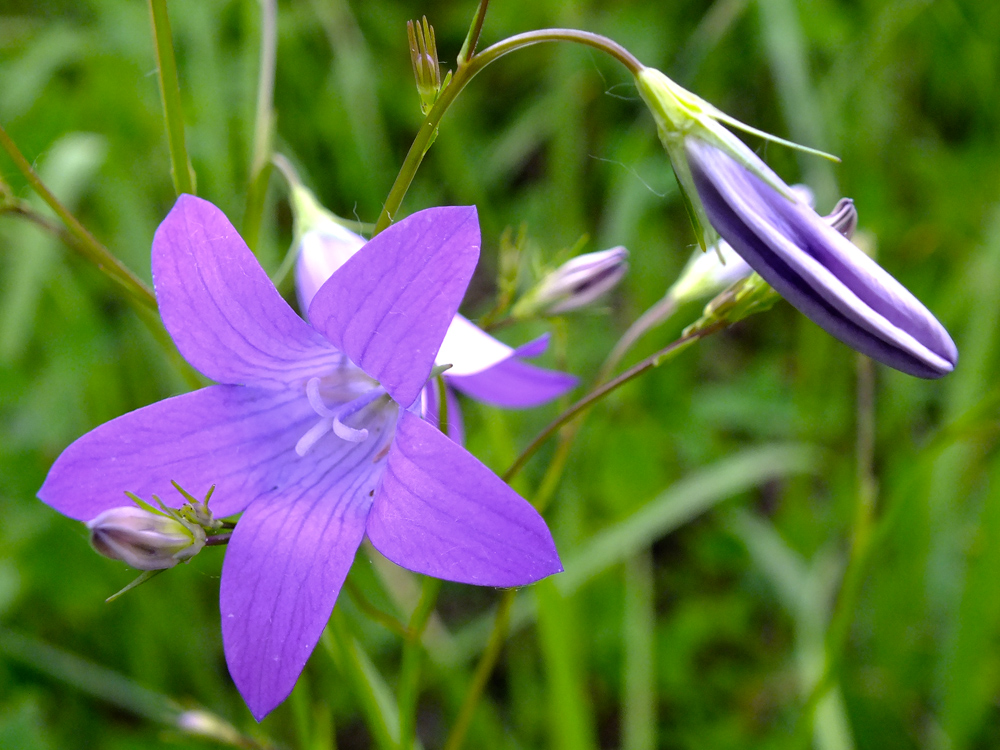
(334, 420)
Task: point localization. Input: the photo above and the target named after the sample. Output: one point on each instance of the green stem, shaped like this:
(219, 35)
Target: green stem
(465, 73)
(409, 671)
(472, 38)
(862, 534)
(385, 620)
(653, 317)
(601, 391)
(170, 92)
(483, 671)
(263, 133)
(83, 241)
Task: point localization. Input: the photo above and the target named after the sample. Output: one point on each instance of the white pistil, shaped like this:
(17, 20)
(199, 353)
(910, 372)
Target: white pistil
(311, 437)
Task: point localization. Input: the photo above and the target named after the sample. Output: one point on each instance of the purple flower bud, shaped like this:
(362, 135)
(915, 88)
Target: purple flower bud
(818, 270)
(576, 283)
(144, 539)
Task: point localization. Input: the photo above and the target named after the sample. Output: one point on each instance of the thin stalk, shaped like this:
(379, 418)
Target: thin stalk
(465, 73)
(382, 618)
(603, 390)
(85, 243)
(170, 93)
(862, 533)
(409, 671)
(263, 130)
(655, 315)
(472, 38)
(147, 312)
(483, 671)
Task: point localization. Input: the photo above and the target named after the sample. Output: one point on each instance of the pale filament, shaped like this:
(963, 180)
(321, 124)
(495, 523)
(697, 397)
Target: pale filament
(333, 419)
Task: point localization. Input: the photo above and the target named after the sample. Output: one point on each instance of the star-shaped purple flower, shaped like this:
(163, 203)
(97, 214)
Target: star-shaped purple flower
(311, 434)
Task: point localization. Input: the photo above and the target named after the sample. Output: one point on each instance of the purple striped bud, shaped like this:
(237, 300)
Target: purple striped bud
(576, 283)
(815, 267)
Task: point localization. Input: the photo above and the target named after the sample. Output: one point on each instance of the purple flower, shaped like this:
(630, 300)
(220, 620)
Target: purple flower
(311, 434)
(482, 367)
(817, 269)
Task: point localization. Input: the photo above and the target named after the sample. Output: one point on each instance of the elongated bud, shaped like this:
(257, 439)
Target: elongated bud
(816, 268)
(426, 68)
(144, 539)
(709, 273)
(576, 283)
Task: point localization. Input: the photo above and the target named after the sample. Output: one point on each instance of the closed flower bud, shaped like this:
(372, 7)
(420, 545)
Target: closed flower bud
(576, 283)
(809, 262)
(708, 273)
(144, 539)
(423, 56)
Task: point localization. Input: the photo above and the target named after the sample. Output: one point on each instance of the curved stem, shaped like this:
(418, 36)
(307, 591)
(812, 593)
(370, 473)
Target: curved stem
(170, 92)
(84, 242)
(655, 315)
(601, 391)
(465, 73)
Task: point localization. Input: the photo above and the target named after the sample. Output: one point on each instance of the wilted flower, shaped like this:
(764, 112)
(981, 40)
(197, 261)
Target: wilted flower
(817, 269)
(144, 539)
(481, 366)
(726, 187)
(577, 283)
(311, 434)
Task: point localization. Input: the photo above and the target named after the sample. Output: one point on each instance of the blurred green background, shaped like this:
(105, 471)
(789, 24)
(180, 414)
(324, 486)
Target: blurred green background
(707, 512)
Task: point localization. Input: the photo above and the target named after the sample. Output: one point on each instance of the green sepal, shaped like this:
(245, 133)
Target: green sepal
(138, 581)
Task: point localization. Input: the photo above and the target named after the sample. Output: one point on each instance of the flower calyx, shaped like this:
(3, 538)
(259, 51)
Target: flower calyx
(426, 68)
(679, 115)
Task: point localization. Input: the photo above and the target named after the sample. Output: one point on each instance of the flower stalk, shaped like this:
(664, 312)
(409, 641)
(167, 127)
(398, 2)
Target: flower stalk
(465, 73)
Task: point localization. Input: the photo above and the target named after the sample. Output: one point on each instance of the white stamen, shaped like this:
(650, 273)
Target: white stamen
(348, 433)
(315, 400)
(310, 439)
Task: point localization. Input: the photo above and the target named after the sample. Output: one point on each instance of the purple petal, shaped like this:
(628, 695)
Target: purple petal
(431, 414)
(389, 306)
(221, 309)
(514, 384)
(440, 512)
(818, 270)
(240, 439)
(289, 555)
(535, 348)
(284, 567)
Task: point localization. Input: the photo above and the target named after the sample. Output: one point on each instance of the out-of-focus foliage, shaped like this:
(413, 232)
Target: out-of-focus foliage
(705, 624)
